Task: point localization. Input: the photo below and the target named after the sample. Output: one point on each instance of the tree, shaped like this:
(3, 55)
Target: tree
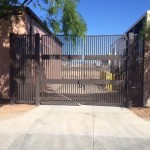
(62, 15)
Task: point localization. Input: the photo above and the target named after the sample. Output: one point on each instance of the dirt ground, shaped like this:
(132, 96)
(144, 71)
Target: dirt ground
(142, 112)
(10, 111)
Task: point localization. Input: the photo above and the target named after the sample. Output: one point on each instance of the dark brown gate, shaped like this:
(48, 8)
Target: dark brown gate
(95, 70)
(87, 71)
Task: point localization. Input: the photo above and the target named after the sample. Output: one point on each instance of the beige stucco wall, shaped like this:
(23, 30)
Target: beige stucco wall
(4, 60)
(147, 74)
(5, 28)
(146, 85)
(22, 27)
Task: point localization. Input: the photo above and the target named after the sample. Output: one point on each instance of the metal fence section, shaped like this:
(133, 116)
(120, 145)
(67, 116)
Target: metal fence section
(135, 70)
(22, 68)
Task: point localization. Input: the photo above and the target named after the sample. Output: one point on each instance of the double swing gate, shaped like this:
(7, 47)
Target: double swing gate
(74, 71)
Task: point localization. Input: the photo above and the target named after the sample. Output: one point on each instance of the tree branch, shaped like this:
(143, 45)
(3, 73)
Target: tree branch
(29, 2)
(24, 2)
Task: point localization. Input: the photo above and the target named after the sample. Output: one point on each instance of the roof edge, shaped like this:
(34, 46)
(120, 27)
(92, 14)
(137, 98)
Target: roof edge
(144, 15)
(28, 10)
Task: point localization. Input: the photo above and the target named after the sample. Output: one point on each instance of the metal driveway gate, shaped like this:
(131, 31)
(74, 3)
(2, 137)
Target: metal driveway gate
(91, 71)
(95, 70)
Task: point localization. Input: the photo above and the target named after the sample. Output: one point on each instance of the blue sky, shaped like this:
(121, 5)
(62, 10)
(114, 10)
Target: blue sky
(110, 16)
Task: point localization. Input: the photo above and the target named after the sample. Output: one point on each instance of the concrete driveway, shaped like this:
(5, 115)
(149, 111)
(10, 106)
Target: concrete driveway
(75, 128)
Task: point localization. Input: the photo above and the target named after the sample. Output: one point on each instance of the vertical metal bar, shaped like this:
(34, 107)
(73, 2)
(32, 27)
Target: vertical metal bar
(42, 67)
(142, 69)
(37, 77)
(12, 70)
(130, 67)
(84, 67)
(23, 71)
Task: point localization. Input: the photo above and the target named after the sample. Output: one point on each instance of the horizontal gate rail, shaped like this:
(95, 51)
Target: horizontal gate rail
(86, 57)
(83, 81)
(27, 56)
(25, 81)
(105, 57)
(64, 57)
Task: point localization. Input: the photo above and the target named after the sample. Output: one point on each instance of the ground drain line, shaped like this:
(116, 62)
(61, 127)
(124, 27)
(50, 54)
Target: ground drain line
(62, 95)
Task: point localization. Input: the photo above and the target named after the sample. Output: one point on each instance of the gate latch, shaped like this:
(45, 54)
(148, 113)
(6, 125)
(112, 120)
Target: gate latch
(79, 85)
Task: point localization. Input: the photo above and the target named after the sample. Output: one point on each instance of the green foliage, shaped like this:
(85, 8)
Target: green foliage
(7, 9)
(62, 15)
(73, 23)
(145, 32)
(55, 26)
(10, 2)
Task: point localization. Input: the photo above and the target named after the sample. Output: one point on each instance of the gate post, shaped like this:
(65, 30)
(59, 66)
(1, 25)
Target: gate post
(130, 69)
(37, 69)
(12, 73)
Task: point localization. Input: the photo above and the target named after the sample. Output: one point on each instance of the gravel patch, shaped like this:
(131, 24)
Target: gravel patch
(10, 111)
(142, 112)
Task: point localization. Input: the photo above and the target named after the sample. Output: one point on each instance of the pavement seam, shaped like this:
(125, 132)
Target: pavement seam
(93, 129)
